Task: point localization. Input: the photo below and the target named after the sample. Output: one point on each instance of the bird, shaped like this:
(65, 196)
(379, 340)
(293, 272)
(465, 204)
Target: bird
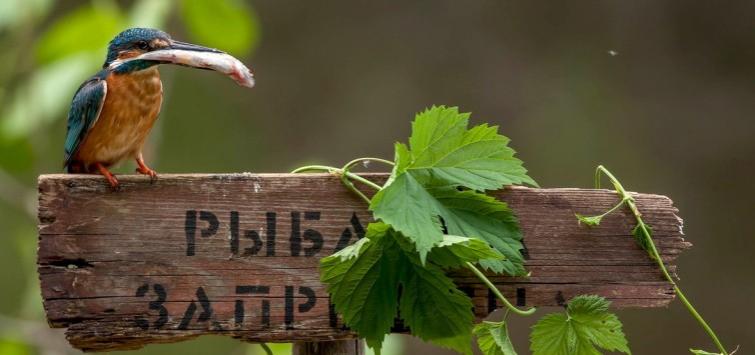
(113, 111)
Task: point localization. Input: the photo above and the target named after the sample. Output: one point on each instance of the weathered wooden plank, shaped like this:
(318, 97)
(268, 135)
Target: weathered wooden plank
(237, 254)
(338, 347)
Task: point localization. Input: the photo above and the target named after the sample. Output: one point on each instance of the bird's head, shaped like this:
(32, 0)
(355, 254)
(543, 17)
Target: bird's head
(134, 42)
(137, 49)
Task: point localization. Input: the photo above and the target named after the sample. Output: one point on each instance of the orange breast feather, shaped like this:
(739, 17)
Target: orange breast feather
(131, 107)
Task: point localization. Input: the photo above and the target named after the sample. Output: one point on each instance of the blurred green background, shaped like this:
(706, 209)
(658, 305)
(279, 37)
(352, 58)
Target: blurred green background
(661, 92)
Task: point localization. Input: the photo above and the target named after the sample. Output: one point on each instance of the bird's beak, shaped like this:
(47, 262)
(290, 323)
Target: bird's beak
(192, 55)
(183, 46)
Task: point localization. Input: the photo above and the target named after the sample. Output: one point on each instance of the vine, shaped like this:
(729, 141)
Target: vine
(643, 235)
(432, 215)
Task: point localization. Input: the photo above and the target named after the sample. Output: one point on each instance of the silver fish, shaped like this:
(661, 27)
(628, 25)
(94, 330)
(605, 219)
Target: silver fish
(217, 61)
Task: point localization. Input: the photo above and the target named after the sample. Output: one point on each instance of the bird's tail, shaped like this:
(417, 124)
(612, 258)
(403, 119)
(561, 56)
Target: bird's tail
(74, 167)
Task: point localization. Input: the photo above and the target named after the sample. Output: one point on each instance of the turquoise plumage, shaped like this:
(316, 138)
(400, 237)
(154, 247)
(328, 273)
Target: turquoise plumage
(85, 109)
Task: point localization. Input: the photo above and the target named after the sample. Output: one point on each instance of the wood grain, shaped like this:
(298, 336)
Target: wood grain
(118, 269)
(337, 347)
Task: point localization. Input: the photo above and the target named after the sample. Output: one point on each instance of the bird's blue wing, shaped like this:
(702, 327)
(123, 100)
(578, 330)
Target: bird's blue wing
(85, 109)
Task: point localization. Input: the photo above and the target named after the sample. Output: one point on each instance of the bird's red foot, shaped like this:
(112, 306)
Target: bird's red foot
(114, 184)
(142, 168)
(147, 171)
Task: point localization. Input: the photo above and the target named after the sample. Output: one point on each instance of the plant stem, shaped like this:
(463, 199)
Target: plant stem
(325, 168)
(344, 175)
(362, 180)
(614, 208)
(654, 252)
(350, 185)
(359, 160)
(266, 348)
(497, 292)
(334, 170)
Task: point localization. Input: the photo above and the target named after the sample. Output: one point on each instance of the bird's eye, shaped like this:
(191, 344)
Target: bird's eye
(142, 45)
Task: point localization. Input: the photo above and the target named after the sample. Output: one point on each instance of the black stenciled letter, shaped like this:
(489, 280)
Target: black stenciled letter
(252, 290)
(255, 238)
(310, 234)
(525, 252)
(190, 226)
(257, 241)
(212, 221)
(303, 307)
(270, 217)
(156, 305)
(192, 308)
(332, 315)
(521, 297)
(346, 235)
(234, 232)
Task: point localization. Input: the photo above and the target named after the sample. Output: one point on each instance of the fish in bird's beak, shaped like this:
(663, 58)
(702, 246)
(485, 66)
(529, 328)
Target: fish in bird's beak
(192, 55)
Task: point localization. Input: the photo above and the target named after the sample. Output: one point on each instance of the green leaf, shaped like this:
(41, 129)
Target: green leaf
(230, 25)
(364, 280)
(590, 221)
(425, 187)
(416, 212)
(476, 215)
(411, 210)
(433, 216)
(445, 152)
(433, 308)
(351, 251)
(455, 252)
(493, 338)
(587, 324)
(364, 288)
(643, 240)
(85, 29)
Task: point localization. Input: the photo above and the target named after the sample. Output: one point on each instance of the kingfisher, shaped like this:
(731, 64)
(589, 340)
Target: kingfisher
(113, 112)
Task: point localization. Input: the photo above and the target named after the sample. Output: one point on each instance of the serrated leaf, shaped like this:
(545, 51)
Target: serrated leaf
(351, 251)
(455, 251)
(417, 196)
(435, 132)
(586, 326)
(364, 280)
(476, 215)
(493, 338)
(411, 210)
(590, 221)
(363, 288)
(643, 240)
(433, 217)
(443, 152)
(416, 212)
(433, 308)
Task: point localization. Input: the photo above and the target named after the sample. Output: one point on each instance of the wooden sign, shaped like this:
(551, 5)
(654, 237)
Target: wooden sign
(237, 255)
